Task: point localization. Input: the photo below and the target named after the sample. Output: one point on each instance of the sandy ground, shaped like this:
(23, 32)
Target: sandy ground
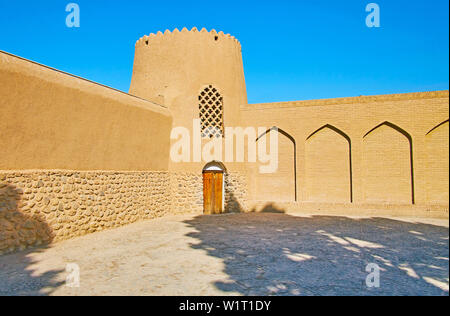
(241, 254)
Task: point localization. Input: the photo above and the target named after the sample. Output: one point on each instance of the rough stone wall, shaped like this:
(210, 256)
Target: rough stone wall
(236, 192)
(187, 192)
(39, 207)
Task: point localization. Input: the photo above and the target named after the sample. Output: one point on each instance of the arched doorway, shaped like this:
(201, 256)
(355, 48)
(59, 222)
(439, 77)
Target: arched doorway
(213, 188)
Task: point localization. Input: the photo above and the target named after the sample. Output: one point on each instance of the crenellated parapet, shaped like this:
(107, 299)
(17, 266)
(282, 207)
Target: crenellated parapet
(202, 35)
(172, 68)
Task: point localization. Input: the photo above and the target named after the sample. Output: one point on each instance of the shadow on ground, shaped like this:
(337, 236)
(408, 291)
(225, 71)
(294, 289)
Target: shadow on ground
(23, 279)
(17, 273)
(273, 253)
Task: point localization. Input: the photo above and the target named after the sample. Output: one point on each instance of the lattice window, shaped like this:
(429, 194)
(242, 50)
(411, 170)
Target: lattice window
(211, 112)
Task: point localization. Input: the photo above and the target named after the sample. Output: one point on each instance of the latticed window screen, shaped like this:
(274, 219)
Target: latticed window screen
(211, 112)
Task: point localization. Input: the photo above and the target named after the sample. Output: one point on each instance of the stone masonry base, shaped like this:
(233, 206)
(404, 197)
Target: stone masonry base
(40, 207)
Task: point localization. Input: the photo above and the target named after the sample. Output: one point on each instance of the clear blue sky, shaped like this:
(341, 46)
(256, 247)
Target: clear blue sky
(292, 50)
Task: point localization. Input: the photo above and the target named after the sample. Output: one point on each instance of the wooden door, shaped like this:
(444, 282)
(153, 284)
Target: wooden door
(218, 190)
(213, 192)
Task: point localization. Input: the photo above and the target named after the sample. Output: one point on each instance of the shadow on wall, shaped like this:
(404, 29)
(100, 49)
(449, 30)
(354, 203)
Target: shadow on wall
(269, 208)
(232, 204)
(273, 253)
(18, 231)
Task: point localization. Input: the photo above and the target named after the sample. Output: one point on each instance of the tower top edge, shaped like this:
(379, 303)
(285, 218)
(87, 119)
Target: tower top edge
(217, 36)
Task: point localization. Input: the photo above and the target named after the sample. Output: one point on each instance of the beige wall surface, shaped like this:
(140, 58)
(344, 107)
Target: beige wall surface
(327, 167)
(398, 148)
(52, 120)
(279, 185)
(437, 164)
(386, 171)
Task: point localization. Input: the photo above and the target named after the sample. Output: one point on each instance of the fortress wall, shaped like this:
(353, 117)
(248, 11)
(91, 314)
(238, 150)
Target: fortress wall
(52, 120)
(390, 150)
(77, 157)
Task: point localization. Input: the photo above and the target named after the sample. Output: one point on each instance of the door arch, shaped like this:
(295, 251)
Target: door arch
(328, 165)
(388, 165)
(213, 188)
(436, 142)
(279, 186)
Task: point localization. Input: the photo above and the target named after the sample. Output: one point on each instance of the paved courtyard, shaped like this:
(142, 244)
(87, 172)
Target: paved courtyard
(241, 254)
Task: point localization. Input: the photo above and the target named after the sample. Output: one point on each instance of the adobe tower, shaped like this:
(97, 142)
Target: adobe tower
(174, 68)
